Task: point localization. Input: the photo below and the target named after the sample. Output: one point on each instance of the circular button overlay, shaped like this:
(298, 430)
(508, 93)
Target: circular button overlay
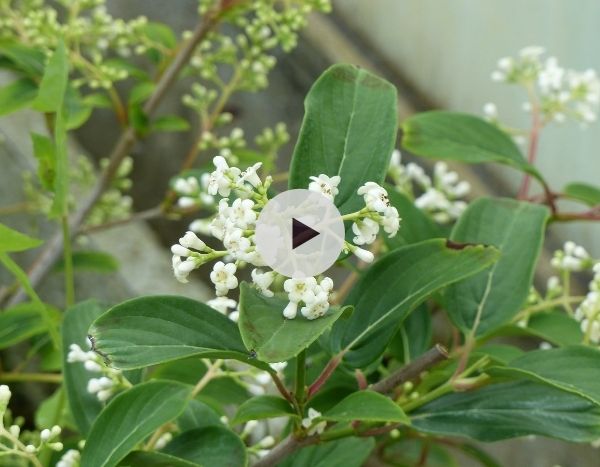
(300, 233)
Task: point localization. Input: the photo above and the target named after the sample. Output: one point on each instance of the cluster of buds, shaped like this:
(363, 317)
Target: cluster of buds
(441, 197)
(556, 92)
(571, 258)
(11, 441)
(71, 458)
(109, 380)
(588, 312)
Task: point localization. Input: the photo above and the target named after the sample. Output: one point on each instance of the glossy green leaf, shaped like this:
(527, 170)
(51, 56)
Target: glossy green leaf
(584, 192)
(197, 414)
(394, 286)
(85, 407)
(20, 322)
(413, 337)
(273, 337)
(156, 329)
(210, 446)
(130, 418)
(17, 95)
(261, 407)
(346, 452)
(54, 82)
(491, 298)
(574, 369)
(12, 241)
(415, 226)
(509, 410)
(349, 129)
(462, 137)
(553, 326)
(366, 406)
(45, 153)
(154, 459)
(97, 261)
(170, 123)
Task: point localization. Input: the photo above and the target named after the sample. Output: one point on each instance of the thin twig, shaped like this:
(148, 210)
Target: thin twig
(124, 145)
(430, 358)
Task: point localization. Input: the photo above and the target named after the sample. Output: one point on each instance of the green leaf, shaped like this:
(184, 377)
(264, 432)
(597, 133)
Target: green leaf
(416, 226)
(197, 414)
(491, 298)
(85, 407)
(17, 95)
(20, 322)
(154, 459)
(414, 336)
(53, 411)
(78, 111)
(261, 407)
(213, 445)
(141, 92)
(157, 329)
(552, 326)
(159, 33)
(12, 241)
(509, 410)
(273, 337)
(45, 153)
(347, 452)
(60, 206)
(54, 82)
(29, 60)
(588, 194)
(499, 353)
(574, 369)
(462, 137)
(129, 418)
(170, 123)
(349, 129)
(394, 286)
(366, 406)
(97, 261)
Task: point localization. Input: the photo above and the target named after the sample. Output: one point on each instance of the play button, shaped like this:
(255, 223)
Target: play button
(299, 233)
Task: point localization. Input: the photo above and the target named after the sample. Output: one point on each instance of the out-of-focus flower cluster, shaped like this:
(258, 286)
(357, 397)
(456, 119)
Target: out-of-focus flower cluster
(243, 195)
(588, 312)
(440, 196)
(556, 92)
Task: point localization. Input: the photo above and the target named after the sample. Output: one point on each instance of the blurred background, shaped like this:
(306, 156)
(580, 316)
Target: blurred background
(439, 54)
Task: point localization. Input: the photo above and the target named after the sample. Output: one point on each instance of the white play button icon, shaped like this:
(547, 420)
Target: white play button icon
(300, 233)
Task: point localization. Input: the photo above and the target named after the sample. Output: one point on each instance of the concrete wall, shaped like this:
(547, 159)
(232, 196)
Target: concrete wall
(448, 48)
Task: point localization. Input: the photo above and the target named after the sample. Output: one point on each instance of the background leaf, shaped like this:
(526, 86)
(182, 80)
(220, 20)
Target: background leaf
(273, 337)
(20, 322)
(366, 406)
(97, 261)
(85, 407)
(584, 192)
(347, 452)
(574, 369)
(45, 153)
(54, 82)
(154, 459)
(17, 95)
(349, 129)
(491, 298)
(129, 418)
(462, 137)
(553, 326)
(12, 241)
(394, 286)
(156, 329)
(509, 410)
(261, 407)
(213, 445)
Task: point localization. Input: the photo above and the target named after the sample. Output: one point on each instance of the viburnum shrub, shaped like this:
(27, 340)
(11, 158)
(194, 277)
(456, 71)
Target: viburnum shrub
(327, 370)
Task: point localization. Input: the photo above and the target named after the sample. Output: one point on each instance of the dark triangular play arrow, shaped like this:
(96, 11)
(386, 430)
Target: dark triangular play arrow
(301, 233)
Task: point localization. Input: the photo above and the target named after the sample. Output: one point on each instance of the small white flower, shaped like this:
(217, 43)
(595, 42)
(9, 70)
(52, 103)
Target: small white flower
(309, 424)
(365, 231)
(76, 354)
(221, 180)
(375, 196)
(200, 226)
(300, 289)
(236, 243)
(191, 240)
(267, 442)
(242, 213)
(163, 440)
(315, 309)
(263, 281)
(186, 186)
(249, 175)
(327, 186)
(290, 310)
(417, 174)
(490, 110)
(223, 276)
(70, 459)
(5, 395)
(391, 221)
(363, 255)
(222, 304)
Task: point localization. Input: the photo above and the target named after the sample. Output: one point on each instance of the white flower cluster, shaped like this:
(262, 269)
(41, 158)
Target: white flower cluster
(192, 193)
(234, 225)
(588, 312)
(10, 442)
(71, 458)
(440, 197)
(558, 92)
(571, 258)
(105, 386)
